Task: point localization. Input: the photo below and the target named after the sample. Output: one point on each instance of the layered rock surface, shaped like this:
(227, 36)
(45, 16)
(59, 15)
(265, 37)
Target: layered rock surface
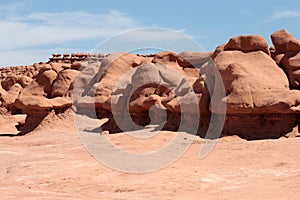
(286, 53)
(252, 87)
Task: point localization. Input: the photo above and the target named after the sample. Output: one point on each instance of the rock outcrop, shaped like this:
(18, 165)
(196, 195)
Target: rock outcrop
(253, 87)
(257, 93)
(247, 43)
(286, 53)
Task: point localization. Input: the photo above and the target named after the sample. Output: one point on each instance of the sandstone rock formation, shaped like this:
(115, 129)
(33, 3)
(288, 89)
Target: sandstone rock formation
(247, 43)
(255, 88)
(260, 96)
(286, 53)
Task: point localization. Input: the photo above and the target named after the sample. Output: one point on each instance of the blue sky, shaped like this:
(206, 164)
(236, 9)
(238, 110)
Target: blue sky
(31, 30)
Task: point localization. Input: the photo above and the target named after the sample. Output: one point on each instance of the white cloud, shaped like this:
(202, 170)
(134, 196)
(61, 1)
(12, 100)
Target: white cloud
(141, 39)
(29, 38)
(50, 28)
(283, 15)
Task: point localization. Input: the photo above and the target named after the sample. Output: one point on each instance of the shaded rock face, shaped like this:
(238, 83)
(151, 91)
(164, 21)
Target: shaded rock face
(286, 53)
(142, 90)
(280, 40)
(37, 96)
(257, 86)
(63, 82)
(261, 126)
(258, 94)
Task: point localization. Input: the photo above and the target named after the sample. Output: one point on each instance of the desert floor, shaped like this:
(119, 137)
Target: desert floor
(53, 164)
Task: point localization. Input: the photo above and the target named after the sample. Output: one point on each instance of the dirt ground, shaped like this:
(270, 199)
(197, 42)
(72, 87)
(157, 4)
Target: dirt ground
(54, 164)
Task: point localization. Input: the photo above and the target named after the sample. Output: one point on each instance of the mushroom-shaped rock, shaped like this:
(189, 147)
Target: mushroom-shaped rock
(45, 67)
(280, 39)
(63, 82)
(9, 81)
(146, 74)
(246, 83)
(247, 43)
(57, 67)
(46, 79)
(12, 94)
(34, 96)
(194, 59)
(291, 64)
(76, 65)
(165, 57)
(24, 81)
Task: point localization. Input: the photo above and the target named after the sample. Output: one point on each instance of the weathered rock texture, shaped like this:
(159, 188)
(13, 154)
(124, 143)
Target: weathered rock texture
(286, 53)
(260, 85)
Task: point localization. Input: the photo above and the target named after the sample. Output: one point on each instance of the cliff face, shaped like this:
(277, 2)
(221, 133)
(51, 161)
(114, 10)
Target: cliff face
(252, 87)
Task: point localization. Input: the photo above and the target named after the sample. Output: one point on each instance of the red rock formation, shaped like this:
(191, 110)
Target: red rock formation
(286, 53)
(247, 43)
(257, 94)
(165, 87)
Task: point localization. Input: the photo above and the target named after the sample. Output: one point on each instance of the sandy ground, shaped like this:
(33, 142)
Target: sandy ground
(53, 164)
